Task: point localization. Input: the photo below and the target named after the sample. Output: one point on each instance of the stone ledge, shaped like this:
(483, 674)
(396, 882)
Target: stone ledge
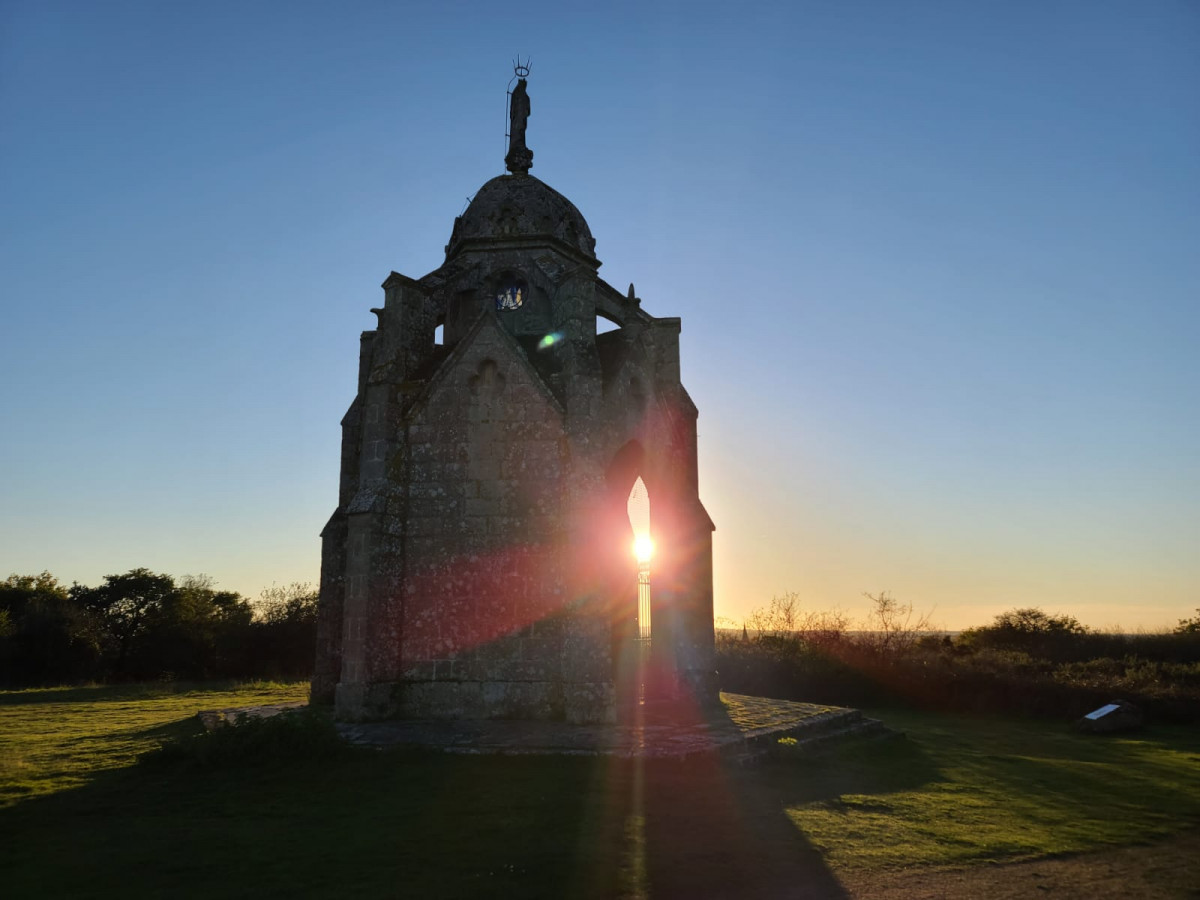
(744, 727)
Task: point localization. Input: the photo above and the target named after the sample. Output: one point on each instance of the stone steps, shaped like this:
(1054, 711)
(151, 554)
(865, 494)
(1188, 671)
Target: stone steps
(850, 726)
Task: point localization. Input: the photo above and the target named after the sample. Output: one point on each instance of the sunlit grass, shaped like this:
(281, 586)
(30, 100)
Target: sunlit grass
(54, 739)
(965, 789)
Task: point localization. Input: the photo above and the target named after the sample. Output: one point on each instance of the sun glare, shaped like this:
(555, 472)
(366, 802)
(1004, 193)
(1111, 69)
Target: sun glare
(643, 548)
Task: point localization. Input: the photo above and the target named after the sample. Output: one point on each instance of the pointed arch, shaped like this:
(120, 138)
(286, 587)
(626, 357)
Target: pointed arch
(630, 487)
(626, 465)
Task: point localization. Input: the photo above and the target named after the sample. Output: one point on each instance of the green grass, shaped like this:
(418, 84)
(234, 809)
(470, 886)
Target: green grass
(971, 789)
(80, 819)
(53, 739)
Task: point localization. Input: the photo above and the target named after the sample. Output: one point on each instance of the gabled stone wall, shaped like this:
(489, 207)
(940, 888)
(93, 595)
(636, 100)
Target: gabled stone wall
(484, 581)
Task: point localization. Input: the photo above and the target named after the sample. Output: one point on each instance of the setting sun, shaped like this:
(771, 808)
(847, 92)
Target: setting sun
(643, 548)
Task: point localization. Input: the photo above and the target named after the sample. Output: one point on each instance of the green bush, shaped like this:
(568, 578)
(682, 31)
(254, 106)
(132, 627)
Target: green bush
(1029, 630)
(1189, 626)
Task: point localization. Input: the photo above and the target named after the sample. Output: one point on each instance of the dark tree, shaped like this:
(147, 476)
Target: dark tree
(126, 605)
(45, 635)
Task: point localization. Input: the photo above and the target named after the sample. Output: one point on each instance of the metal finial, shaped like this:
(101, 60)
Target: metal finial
(521, 69)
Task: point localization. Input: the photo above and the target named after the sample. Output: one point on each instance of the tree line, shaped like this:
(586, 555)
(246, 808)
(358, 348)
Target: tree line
(143, 625)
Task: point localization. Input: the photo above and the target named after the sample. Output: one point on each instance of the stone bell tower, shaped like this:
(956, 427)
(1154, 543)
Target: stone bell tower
(479, 561)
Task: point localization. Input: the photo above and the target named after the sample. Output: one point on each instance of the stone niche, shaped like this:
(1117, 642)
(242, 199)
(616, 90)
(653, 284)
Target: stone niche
(479, 562)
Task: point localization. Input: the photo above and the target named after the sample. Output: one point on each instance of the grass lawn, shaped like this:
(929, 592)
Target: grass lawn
(971, 789)
(59, 738)
(79, 819)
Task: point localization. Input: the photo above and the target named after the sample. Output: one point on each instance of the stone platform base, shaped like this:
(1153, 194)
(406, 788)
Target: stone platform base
(743, 728)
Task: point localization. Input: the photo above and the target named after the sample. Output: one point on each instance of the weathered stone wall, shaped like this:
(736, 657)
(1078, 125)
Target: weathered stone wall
(484, 586)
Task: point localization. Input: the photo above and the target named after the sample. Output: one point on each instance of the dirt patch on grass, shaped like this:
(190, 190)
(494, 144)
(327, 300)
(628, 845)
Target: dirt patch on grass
(1167, 869)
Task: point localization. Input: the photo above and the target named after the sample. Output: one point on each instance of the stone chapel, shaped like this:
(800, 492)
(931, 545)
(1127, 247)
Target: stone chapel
(480, 562)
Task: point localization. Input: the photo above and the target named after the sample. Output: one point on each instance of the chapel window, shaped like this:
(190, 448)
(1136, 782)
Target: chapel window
(510, 295)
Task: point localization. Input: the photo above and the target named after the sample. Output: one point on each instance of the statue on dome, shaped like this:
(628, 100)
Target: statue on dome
(519, 159)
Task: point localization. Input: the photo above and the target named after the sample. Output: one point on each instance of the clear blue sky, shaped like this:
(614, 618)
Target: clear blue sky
(938, 266)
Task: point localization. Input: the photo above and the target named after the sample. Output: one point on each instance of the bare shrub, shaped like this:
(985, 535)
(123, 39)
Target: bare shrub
(893, 626)
(785, 620)
(776, 619)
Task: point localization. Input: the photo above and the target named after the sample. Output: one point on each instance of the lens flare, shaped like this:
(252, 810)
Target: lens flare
(550, 340)
(643, 548)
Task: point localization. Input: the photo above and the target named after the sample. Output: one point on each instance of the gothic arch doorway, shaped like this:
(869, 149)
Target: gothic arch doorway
(631, 545)
(638, 509)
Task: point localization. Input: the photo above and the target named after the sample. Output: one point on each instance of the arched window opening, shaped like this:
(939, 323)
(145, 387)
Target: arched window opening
(638, 508)
(511, 293)
(439, 334)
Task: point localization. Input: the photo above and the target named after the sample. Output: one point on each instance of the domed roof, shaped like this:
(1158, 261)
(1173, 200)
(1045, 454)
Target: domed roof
(515, 208)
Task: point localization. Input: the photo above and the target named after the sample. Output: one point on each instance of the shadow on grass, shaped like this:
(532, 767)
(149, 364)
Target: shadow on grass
(715, 831)
(859, 767)
(371, 824)
(168, 733)
(403, 823)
